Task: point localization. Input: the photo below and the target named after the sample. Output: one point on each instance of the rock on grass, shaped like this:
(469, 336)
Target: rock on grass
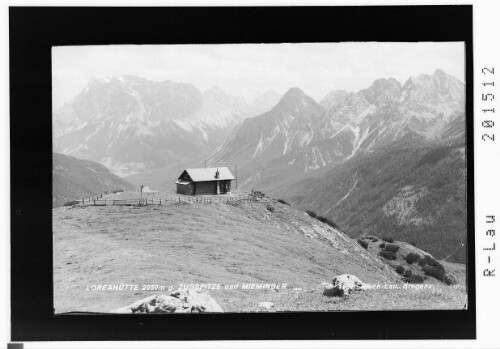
(343, 285)
(180, 301)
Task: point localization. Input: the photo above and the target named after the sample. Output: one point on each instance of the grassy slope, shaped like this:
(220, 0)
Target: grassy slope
(75, 178)
(436, 297)
(217, 243)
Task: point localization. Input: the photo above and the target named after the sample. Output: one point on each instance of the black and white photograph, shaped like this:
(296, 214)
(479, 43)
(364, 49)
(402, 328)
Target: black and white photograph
(182, 174)
(242, 178)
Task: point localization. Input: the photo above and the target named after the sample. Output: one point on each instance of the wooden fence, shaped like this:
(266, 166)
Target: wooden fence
(98, 201)
(90, 199)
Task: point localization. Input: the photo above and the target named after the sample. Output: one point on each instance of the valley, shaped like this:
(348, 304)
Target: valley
(73, 179)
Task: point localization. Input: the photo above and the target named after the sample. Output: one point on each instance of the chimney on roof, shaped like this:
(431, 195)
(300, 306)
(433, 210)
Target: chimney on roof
(217, 174)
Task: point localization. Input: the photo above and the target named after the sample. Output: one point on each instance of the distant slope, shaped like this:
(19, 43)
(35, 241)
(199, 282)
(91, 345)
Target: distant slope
(411, 193)
(73, 178)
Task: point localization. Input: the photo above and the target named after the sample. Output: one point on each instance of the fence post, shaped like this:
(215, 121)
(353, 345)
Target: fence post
(94, 202)
(113, 202)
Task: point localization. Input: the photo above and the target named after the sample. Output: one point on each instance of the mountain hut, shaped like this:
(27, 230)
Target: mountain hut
(208, 181)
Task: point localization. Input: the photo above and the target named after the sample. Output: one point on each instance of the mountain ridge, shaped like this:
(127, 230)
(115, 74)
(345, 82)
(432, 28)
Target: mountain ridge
(356, 122)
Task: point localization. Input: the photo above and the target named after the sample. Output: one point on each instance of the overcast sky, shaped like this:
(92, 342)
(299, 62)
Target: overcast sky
(250, 70)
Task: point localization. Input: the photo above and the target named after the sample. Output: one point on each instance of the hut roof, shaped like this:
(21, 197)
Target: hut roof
(208, 174)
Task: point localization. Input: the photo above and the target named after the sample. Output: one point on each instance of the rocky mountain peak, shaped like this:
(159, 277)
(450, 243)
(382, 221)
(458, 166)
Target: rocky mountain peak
(383, 91)
(440, 74)
(294, 93)
(333, 98)
(296, 100)
(437, 88)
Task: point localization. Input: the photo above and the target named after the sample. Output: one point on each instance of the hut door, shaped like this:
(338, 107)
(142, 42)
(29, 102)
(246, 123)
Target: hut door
(212, 188)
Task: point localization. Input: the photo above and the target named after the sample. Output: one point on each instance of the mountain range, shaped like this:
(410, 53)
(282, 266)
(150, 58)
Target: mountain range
(299, 135)
(133, 125)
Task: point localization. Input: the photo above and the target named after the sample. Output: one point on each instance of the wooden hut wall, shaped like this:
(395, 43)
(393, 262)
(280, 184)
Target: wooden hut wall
(185, 189)
(206, 188)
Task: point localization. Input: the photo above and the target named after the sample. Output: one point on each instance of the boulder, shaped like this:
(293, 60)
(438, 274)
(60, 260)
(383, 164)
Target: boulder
(180, 301)
(343, 285)
(330, 291)
(347, 283)
(198, 299)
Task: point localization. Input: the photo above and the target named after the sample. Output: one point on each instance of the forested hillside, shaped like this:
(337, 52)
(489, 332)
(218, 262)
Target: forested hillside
(414, 194)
